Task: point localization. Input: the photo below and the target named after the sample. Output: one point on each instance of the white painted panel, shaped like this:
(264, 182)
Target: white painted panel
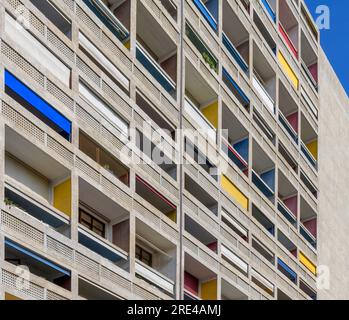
(268, 101)
(234, 258)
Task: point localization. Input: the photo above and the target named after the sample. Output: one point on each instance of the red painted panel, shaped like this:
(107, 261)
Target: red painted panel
(293, 120)
(213, 246)
(314, 71)
(288, 40)
(291, 203)
(311, 225)
(191, 283)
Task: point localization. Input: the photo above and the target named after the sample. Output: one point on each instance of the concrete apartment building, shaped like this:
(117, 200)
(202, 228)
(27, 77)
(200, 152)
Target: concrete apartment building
(236, 212)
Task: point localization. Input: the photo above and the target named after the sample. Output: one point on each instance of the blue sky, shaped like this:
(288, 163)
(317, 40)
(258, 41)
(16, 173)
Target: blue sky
(335, 41)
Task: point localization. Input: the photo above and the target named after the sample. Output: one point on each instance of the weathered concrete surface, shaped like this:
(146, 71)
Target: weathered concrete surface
(333, 226)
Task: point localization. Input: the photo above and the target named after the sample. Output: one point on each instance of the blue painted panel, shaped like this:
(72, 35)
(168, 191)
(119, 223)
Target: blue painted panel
(269, 10)
(291, 273)
(212, 6)
(242, 148)
(202, 8)
(237, 88)
(232, 50)
(36, 102)
(269, 178)
(36, 257)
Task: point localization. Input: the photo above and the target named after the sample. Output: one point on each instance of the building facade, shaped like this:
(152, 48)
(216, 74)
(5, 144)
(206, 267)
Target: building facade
(164, 149)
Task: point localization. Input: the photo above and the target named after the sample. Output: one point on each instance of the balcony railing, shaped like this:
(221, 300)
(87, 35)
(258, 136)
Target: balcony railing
(240, 95)
(155, 70)
(309, 75)
(269, 9)
(308, 155)
(287, 271)
(288, 40)
(201, 120)
(108, 19)
(235, 156)
(235, 54)
(206, 14)
(262, 185)
(268, 101)
(155, 277)
(293, 134)
(190, 296)
(287, 213)
(307, 235)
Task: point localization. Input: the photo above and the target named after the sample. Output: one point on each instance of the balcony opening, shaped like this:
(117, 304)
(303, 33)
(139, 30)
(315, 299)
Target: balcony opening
(287, 271)
(156, 51)
(309, 61)
(262, 282)
(263, 220)
(287, 243)
(263, 172)
(202, 195)
(234, 260)
(309, 265)
(264, 127)
(104, 158)
(171, 8)
(236, 38)
(312, 27)
(209, 10)
(200, 283)
(231, 293)
(204, 51)
(235, 140)
(150, 110)
(200, 233)
(310, 292)
(201, 103)
(11, 297)
(38, 265)
(194, 153)
(308, 223)
(309, 184)
(16, 198)
(288, 157)
(288, 113)
(155, 258)
(270, 7)
(115, 15)
(282, 296)
(36, 52)
(51, 12)
(103, 225)
(32, 102)
(156, 199)
(236, 90)
(264, 79)
(287, 199)
(235, 193)
(39, 174)
(264, 32)
(97, 57)
(234, 225)
(309, 143)
(91, 291)
(265, 252)
(289, 28)
(156, 154)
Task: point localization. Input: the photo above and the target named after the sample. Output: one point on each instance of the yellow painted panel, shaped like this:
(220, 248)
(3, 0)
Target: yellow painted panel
(211, 113)
(62, 197)
(288, 70)
(9, 296)
(209, 290)
(312, 147)
(127, 44)
(230, 188)
(307, 263)
(173, 216)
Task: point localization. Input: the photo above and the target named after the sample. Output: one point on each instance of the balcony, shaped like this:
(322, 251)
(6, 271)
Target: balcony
(309, 143)
(263, 174)
(235, 225)
(287, 213)
(264, 33)
(108, 12)
(263, 220)
(288, 157)
(171, 8)
(200, 283)
(33, 103)
(310, 292)
(262, 282)
(264, 127)
(289, 28)
(233, 259)
(91, 291)
(263, 251)
(155, 258)
(289, 72)
(203, 50)
(155, 50)
(234, 192)
(264, 79)
(309, 62)
(309, 184)
(287, 271)
(235, 54)
(308, 223)
(270, 7)
(231, 293)
(287, 243)
(236, 90)
(209, 10)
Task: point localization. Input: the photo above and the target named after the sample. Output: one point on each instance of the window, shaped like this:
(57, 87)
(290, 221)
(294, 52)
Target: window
(91, 223)
(144, 256)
